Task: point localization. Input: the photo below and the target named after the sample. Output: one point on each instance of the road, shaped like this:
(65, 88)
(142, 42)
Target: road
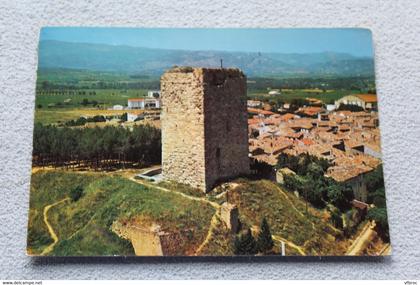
(363, 239)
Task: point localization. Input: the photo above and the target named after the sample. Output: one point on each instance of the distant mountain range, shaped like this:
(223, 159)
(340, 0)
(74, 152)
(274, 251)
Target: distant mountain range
(151, 61)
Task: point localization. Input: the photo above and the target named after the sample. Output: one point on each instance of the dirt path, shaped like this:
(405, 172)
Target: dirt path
(289, 243)
(53, 235)
(150, 185)
(362, 240)
(213, 225)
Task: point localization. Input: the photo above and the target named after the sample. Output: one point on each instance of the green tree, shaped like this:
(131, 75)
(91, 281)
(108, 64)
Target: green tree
(124, 117)
(380, 216)
(245, 244)
(339, 195)
(85, 102)
(264, 241)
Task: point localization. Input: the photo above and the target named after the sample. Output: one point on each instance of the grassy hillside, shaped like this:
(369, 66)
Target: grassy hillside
(83, 227)
(287, 217)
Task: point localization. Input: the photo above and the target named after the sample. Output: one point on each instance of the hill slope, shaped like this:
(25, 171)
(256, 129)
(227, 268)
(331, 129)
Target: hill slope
(56, 54)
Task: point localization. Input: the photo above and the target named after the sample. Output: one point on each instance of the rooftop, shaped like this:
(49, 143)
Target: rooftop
(369, 98)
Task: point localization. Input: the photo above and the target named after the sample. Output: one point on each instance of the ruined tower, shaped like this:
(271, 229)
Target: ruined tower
(204, 125)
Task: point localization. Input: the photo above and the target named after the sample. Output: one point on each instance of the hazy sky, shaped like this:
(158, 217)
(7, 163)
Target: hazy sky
(354, 41)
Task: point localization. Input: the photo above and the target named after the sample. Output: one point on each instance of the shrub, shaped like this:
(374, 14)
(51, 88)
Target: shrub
(264, 241)
(76, 193)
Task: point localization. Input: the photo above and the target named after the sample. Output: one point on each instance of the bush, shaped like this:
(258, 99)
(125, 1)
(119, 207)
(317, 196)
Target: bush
(76, 193)
(352, 108)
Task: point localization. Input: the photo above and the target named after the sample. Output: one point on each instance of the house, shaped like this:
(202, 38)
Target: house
(310, 111)
(274, 92)
(330, 107)
(352, 175)
(117, 107)
(143, 103)
(253, 103)
(255, 111)
(153, 94)
(365, 101)
(132, 116)
(314, 101)
(361, 210)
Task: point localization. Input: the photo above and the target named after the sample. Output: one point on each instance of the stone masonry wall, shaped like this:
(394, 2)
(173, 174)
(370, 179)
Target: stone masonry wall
(204, 126)
(182, 121)
(226, 125)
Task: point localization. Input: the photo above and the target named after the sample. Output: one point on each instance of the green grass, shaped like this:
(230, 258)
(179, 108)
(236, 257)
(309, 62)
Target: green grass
(183, 188)
(258, 199)
(104, 97)
(62, 115)
(83, 227)
(47, 188)
(81, 78)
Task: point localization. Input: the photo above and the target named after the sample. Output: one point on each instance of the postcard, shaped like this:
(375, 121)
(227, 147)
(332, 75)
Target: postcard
(206, 142)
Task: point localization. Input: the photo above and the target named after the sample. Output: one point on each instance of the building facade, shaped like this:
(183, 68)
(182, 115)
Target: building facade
(143, 103)
(204, 126)
(365, 101)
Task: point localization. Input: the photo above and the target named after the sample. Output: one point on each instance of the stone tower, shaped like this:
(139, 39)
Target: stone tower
(204, 126)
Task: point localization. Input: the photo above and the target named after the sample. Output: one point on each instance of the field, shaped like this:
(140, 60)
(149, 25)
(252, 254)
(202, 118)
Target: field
(104, 98)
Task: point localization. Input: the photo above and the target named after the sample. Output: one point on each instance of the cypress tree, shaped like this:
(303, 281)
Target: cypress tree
(245, 244)
(264, 241)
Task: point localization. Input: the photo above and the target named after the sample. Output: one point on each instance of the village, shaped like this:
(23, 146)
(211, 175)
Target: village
(350, 141)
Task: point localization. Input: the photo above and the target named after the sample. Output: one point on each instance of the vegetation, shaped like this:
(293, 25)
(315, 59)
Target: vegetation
(264, 241)
(311, 183)
(286, 214)
(77, 80)
(83, 227)
(107, 147)
(380, 216)
(322, 84)
(245, 244)
(351, 108)
(82, 121)
(376, 195)
(76, 193)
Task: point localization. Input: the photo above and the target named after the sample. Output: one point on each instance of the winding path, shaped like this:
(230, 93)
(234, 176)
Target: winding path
(213, 224)
(53, 235)
(203, 200)
(289, 243)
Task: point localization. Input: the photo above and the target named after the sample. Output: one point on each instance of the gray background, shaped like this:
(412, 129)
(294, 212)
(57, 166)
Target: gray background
(396, 31)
